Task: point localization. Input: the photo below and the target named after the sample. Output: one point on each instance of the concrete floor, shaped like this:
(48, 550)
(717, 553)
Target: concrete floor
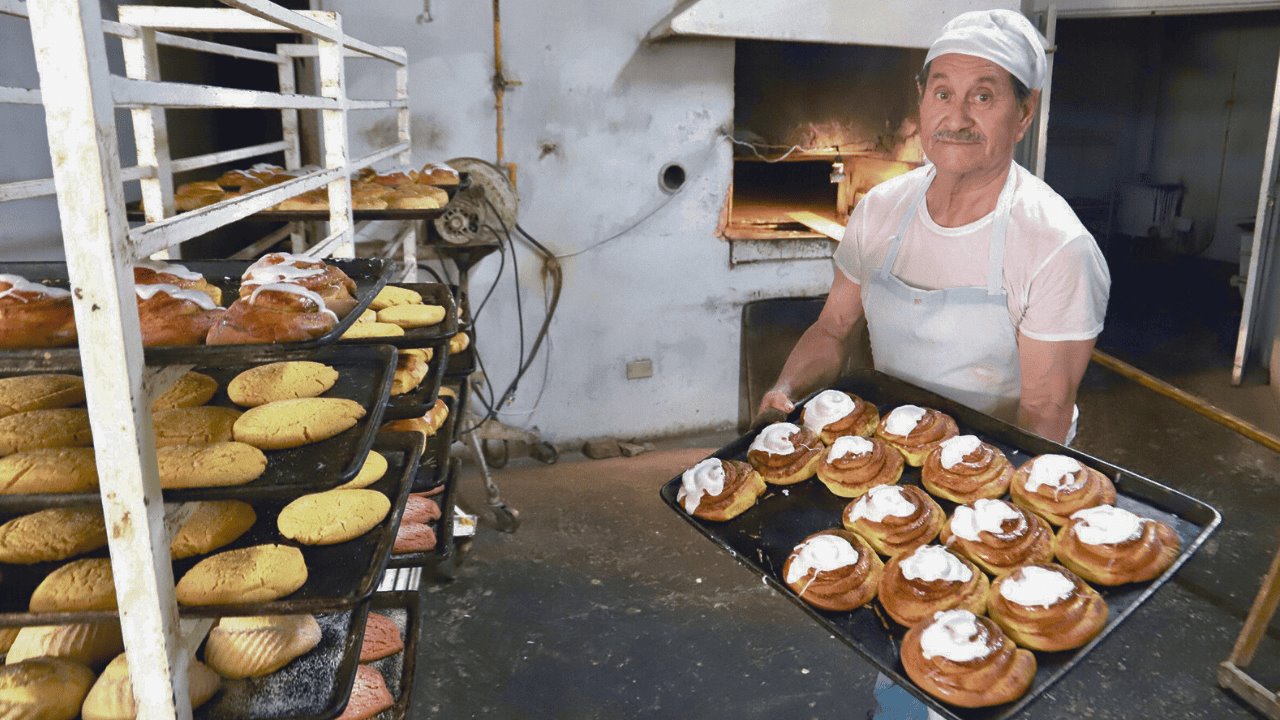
(605, 604)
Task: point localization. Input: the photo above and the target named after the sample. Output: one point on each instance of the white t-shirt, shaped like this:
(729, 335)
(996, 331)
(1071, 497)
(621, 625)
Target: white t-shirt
(1054, 273)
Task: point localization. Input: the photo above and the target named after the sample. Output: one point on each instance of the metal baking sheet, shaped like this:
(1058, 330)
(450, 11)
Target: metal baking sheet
(443, 528)
(461, 299)
(431, 471)
(338, 576)
(364, 375)
(369, 275)
(433, 336)
(402, 608)
(316, 685)
(462, 364)
(764, 536)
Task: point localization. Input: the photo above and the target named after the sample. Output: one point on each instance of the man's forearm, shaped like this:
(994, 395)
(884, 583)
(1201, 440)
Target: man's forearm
(815, 362)
(1051, 421)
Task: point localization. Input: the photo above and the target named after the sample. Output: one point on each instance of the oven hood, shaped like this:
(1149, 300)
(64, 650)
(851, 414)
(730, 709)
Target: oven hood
(900, 23)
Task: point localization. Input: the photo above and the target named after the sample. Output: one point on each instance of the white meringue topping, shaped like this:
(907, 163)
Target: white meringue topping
(174, 269)
(776, 439)
(1036, 586)
(880, 502)
(825, 408)
(847, 445)
(146, 292)
(903, 420)
(1056, 471)
(1106, 525)
(821, 554)
(954, 635)
(705, 478)
(955, 449)
(932, 563)
(984, 516)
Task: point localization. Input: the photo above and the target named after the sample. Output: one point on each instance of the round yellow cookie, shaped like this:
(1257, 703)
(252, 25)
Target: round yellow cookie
(191, 390)
(80, 585)
(260, 573)
(220, 464)
(374, 467)
(364, 330)
(53, 534)
(49, 470)
(332, 517)
(39, 392)
(281, 381)
(211, 525)
(194, 426)
(412, 316)
(391, 295)
(292, 423)
(35, 429)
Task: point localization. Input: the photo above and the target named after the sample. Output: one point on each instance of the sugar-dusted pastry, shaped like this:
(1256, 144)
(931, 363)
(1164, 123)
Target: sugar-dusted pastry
(209, 525)
(917, 584)
(1046, 607)
(414, 537)
(332, 517)
(420, 509)
(833, 570)
(1112, 546)
(54, 428)
(49, 470)
(321, 278)
(785, 454)
(915, 431)
(998, 535)
(895, 519)
(78, 586)
(244, 647)
(111, 697)
(966, 660)
(219, 464)
(194, 426)
(259, 573)
(1054, 486)
(43, 689)
(963, 469)
(92, 644)
(170, 315)
(39, 392)
(852, 465)
(834, 413)
(410, 371)
(369, 695)
(52, 534)
(193, 389)
(381, 638)
(34, 315)
(284, 424)
(719, 490)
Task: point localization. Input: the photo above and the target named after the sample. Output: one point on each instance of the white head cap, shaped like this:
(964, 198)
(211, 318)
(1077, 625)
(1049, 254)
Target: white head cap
(1004, 37)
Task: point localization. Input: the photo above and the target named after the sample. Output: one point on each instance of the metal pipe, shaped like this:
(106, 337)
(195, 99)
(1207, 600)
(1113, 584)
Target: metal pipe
(499, 79)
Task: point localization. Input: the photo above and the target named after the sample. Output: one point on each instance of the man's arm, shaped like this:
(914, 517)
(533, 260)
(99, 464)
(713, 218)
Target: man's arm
(820, 354)
(1051, 374)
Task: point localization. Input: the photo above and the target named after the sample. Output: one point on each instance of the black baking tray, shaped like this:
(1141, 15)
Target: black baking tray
(432, 336)
(369, 275)
(402, 608)
(462, 364)
(431, 471)
(316, 685)
(462, 301)
(364, 375)
(764, 536)
(418, 401)
(338, 576)
(443, 528)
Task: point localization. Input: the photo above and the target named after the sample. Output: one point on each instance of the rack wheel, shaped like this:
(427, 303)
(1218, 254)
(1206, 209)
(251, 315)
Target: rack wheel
(545, 453)
(506, 517)
(496, 452)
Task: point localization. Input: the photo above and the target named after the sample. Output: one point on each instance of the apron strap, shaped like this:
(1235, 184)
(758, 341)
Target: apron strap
(895, 243)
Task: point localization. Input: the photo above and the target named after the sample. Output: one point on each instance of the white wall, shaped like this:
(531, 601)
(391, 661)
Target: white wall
(598, 114)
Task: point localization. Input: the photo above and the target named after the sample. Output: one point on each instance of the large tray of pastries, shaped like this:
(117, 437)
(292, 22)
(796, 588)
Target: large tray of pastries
(972, 562)
(432, 508)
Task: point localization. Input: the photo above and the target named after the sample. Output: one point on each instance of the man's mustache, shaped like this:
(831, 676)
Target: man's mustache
(964, 136)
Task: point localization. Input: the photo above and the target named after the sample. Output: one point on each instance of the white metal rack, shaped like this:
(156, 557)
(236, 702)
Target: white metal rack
(79, 96)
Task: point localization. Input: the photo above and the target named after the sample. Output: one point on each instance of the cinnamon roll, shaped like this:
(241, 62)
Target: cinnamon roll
(915, 431)
(279, 312)
(833, 413)
(327, 281)
(853, 465)
(963, 469)
(895, 519)
(155, 272)
(169, 315)
(719, 490)
(1111, 546)
(1046, 607)
(833, 570)
(785, 454)
(34, 315)
(928, 579)
(966, 660)
(998, 535)
(1054, 486)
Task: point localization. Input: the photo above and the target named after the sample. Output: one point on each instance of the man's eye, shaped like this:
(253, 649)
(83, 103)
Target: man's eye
(984, 97)
(941, 94)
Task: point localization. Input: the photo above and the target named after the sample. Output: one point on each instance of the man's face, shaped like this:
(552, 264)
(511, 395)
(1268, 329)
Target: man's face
(970, 118)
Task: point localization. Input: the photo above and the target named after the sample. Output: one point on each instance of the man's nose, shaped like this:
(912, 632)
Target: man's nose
(957, 116)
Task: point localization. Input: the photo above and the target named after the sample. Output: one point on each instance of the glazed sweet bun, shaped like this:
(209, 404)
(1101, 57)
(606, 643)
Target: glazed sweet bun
(998, 535)
(834, 413)
(274, 313)
(931, 578)
(854, 464)
(1055, 486)
(1112, 546)
(157, 272)
(1046, 607)
(966, 660)
(895, 519)
(833, 570)
(329, 282)
(719, 490)
(169, 315)
(915, 431)
(963, 469)
(34, 315)
(785, 454)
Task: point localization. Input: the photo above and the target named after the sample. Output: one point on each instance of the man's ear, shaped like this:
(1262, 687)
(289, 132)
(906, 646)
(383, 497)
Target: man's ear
(1028, 113)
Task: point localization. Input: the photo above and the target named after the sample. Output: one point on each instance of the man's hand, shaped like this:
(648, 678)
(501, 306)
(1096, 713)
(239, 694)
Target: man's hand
(774, 407)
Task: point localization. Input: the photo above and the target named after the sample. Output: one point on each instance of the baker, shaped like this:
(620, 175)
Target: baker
(976, 279)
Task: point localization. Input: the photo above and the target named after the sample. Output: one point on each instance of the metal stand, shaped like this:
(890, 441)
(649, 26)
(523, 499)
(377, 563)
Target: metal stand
(1231, 673)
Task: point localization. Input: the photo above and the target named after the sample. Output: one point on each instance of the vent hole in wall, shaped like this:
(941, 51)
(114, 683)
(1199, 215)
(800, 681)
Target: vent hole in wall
(672, 177)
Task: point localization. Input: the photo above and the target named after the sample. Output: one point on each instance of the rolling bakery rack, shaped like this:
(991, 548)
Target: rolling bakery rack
(79, 95)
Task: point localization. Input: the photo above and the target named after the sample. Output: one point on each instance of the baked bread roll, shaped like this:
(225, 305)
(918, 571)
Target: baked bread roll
(284, 424)
(260, 573)
(91, 644)
(915, 431)
(833, 570)
(392, 295)
(49, 470)
(438, 174)
(998, 535)
(287, 380)
(394, 179)
(894, 519)
(966, 660)
(414, 537)
(417, 197)
(219, 464)
(719, 490)
(194, 195)
(931, 578)
(459, 343)
(425, 354)
(156, 272)
(963, 469)
(852, 465)
(34, 315)
(111, 697)
(274, 313)
(170, 315)
(311, 200)
(202, 425)
(411, 370)
(1055, 486)
(193, 389)
(419, 509)
(332, 517)
(1046, 607)
(39, 392)
(369, 695)
(210, 525)
(366, 330)
(51, 535)
(245, 647)
(1108, 545)
(381, 638)
(367, 316)
(785, 454)
(833, 413)
(43, 689)
(412, 316)
(374, 467)
(36, 429)
(327, 281)
(79, 586)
